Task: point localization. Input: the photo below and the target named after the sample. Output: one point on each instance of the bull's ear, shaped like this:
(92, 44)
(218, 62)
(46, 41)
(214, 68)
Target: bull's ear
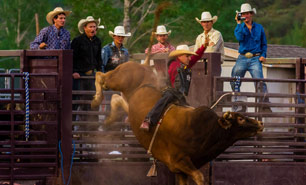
(224, 123)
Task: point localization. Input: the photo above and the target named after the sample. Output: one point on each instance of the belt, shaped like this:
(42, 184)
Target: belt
(250, 55)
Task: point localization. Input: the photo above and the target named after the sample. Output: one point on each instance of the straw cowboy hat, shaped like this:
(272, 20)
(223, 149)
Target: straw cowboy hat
(181, 50)
(161, 30)
(119, 31)
(246, 7)
(206, 16)
(55, 12)
(88, 19)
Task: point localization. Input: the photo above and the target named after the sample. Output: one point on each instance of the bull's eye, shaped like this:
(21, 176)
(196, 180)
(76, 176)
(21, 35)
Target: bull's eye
(240, 120)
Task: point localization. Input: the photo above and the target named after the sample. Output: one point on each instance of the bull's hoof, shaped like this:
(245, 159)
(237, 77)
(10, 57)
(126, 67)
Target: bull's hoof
(109, 121)
(96, 103)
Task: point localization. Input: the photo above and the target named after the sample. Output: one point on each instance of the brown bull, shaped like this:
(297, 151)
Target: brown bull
(188, 137)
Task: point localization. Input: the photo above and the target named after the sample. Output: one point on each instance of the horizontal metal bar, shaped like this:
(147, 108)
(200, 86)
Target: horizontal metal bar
(272, 125)
(271, 95)
(105, 133)
(112, 156)
(82, 92)
(272, 114)
(107, 149)
(260, 156)
(89, 112)
(261, 104)
(228, 79)
(269, 143)
(134, 141)
(263, 149)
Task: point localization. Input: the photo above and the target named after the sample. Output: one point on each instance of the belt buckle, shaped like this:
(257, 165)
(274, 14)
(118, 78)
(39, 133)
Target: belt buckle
(248, 55)
(89, 72)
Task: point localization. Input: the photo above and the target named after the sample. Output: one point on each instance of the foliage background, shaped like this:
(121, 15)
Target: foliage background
(284, 20)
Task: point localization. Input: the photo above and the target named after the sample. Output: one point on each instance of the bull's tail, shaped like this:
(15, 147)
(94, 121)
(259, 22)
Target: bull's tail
(98, 97)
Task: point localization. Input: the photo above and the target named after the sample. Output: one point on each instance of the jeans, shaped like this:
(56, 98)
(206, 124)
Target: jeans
(244, 64)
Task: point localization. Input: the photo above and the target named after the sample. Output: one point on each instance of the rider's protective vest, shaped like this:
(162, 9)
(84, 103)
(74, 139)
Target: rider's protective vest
(183, 79)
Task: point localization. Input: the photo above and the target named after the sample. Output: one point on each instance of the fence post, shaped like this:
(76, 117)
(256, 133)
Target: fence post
(202, 80)
(65, 72)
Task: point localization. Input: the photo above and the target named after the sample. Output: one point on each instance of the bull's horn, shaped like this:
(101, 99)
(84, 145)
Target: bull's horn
(227, 115)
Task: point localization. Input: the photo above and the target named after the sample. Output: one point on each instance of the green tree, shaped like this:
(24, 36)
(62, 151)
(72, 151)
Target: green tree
(18, 22)
(110, 12)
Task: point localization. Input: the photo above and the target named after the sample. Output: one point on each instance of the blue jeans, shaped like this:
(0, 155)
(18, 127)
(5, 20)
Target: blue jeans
(244, 64)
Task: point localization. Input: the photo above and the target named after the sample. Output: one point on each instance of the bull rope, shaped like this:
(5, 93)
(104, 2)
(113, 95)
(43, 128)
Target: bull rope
(157, 127)
(27, 113)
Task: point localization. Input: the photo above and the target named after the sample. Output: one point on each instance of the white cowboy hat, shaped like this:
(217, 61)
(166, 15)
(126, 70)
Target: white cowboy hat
(55, 12)
(88, 19)
(206, 16)
(246, 7)
(161, 30)
(181, 50)
(119, 31)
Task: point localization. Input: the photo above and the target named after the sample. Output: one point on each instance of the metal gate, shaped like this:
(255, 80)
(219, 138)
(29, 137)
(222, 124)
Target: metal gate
(276, 156)
(35, 158)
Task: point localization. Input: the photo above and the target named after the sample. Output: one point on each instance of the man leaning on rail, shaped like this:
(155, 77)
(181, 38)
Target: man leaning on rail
(86, 59)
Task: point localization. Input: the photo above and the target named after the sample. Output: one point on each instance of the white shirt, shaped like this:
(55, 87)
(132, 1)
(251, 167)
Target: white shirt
(214, 37)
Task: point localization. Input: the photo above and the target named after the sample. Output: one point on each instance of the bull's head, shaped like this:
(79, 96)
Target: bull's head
(237, 121)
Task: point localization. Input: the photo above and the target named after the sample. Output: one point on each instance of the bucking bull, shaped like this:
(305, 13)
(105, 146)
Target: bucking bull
(188, 137)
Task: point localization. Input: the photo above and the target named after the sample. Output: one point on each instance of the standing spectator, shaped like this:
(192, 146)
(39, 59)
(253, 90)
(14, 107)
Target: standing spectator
(86, 57)
(163, 46)
(54, 36)
(114, 54)
(252, 48)
(210, 37)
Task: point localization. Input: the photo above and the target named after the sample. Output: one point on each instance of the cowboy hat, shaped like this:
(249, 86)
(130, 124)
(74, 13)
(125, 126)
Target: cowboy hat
(161, 30)
(55, 12)
(119, 31)
(88, 19)
(181, 50)
(206, 16)
(246, 7)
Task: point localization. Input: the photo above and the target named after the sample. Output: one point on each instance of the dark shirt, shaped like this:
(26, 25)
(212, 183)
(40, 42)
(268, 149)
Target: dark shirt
(86, 53)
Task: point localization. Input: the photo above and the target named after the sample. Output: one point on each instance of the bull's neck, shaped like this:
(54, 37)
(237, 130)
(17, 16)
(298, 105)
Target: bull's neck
(219, 140)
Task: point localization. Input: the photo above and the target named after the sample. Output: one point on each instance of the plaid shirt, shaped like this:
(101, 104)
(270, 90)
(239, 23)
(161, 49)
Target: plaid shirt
(160, 48)
(54, 38)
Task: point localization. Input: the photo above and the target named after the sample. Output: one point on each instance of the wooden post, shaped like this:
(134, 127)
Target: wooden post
(37, 23)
